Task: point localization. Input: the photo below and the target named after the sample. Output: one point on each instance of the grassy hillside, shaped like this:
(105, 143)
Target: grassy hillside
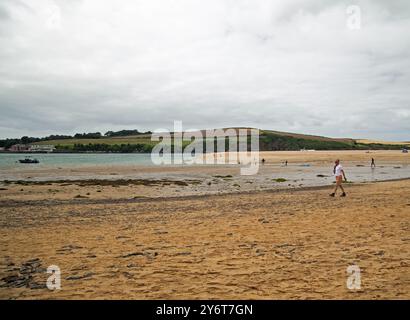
(274, 140)
(308, 137)
(368, 141)
(269, 140)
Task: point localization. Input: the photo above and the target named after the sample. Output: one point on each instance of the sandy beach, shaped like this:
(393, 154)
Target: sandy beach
(207, 232)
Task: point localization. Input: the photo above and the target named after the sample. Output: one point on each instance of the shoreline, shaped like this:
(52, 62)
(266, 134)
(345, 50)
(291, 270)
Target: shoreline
(87, 201)
(110, 181)
(399, 147)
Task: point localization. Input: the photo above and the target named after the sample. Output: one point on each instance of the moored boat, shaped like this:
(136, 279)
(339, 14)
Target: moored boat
(29, 160)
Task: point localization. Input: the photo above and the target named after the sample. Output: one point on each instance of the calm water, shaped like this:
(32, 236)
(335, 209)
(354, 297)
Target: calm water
(10, 160)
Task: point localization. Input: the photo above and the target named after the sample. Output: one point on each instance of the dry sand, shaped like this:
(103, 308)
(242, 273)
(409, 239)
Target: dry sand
(292, 244)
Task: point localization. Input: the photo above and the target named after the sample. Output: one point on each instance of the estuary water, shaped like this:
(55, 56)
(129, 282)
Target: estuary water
(10, 160)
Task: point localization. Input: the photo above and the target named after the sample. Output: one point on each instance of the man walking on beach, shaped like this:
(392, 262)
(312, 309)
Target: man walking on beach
(339, 174)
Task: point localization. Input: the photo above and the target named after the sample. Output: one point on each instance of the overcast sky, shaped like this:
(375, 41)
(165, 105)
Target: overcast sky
(70, 66)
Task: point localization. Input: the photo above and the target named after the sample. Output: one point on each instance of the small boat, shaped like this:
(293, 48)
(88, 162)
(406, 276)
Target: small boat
(28, 160)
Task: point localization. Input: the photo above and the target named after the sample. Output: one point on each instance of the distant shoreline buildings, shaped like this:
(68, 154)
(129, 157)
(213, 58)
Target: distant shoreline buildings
(30, 148)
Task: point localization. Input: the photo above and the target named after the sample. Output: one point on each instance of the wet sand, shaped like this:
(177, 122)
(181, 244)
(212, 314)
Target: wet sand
(304, 169)
(155, 238)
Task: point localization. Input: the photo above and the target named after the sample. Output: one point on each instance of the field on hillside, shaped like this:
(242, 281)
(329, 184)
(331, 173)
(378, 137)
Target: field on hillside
(308, 137)
(269, 141)
(369, 141)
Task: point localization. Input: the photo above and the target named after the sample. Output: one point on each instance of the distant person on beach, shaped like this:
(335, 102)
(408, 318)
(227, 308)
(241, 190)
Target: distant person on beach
(373, 165)
(263, 161)
(286, 163)
(339, 174)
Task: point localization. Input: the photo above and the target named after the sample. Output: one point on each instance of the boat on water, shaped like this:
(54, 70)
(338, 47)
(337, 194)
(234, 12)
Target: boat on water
(29, 160)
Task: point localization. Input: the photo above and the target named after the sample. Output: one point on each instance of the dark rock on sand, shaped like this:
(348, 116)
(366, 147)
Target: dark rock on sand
(24, 276)
(80, 277)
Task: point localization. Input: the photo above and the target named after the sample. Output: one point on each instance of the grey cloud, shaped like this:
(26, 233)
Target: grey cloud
(292, 65)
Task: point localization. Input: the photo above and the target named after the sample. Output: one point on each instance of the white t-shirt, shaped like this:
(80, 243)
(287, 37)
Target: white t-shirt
(338, 170)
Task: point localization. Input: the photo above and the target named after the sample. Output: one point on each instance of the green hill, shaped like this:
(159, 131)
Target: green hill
(141, 142)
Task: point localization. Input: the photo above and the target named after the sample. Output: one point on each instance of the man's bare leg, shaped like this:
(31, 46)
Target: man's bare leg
(334, 192)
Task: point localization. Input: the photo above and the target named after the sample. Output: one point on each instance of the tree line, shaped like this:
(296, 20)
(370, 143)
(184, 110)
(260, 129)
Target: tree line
(7, 143)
